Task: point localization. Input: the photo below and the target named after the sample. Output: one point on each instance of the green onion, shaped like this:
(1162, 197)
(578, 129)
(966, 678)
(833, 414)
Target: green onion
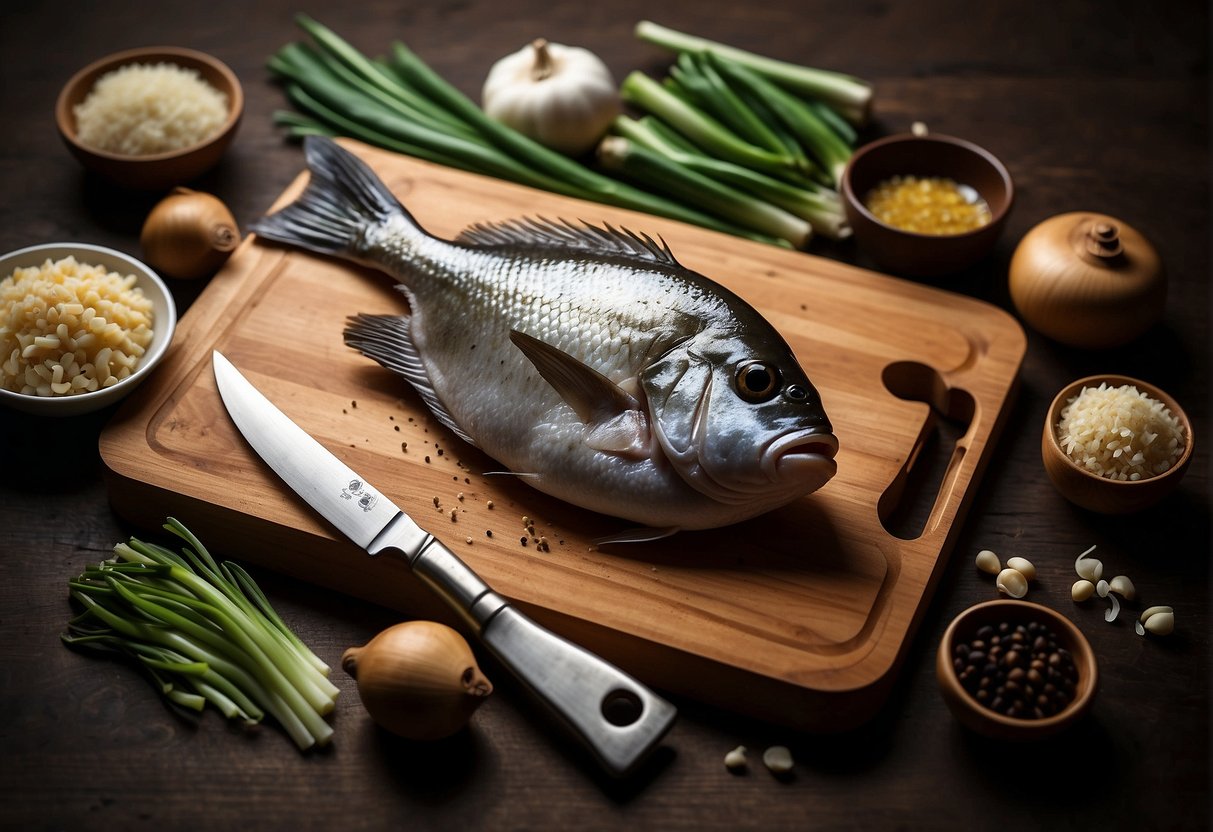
(404, 106)
(658, 171)
(708, 133)
(815, 134)
(711, 93)
(850, 96)
(820, 207)
(204, 632)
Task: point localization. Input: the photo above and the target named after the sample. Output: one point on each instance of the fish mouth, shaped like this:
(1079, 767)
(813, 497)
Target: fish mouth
(808, 453)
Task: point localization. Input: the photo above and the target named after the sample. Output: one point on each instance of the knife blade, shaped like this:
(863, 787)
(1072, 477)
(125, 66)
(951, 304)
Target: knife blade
(616, 717)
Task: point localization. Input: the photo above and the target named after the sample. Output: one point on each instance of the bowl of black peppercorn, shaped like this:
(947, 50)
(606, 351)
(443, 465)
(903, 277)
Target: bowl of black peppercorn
(1015, 670)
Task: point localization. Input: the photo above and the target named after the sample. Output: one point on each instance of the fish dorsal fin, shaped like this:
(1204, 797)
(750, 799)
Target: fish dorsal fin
(539, 231)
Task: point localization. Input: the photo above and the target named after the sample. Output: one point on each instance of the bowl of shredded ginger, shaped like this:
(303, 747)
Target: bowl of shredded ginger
(150, 118)
(80, 327)
(926, 205)
(1114, 444)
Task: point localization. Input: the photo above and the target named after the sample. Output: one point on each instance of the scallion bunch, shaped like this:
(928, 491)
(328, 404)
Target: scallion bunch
(731, 141)
(772, 137)
(204, 632)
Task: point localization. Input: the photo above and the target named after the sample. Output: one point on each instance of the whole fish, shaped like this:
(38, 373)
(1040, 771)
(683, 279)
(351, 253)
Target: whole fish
(586, 360)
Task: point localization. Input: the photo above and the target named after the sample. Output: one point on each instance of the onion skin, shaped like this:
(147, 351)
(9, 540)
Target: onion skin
(1088, 280)
(188, 235)
(418, 680)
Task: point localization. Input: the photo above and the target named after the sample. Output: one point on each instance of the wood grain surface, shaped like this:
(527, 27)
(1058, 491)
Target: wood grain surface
(1092, 107)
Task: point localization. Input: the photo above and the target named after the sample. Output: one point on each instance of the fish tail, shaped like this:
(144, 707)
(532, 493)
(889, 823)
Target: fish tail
(342, 200)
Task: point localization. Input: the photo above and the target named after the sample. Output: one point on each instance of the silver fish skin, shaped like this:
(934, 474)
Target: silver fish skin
(587, 360)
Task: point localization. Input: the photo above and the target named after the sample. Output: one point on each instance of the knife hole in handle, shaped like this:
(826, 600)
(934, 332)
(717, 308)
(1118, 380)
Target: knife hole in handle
(622, 708)
(921, 487)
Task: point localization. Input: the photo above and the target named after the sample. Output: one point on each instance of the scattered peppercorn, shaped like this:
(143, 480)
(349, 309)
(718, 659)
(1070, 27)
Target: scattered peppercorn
(1018, 671)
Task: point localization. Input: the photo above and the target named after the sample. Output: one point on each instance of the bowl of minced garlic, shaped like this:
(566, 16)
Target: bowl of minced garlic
(926, 205)
(80, 327)
(150, 118)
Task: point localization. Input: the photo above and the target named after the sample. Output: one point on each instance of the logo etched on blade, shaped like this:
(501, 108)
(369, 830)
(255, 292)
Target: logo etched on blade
(360, 491)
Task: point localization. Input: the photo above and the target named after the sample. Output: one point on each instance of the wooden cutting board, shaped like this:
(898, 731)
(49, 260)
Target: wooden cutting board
(801, 616)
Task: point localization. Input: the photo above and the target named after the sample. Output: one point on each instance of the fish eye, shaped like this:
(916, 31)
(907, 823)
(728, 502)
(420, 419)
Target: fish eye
(757, 382)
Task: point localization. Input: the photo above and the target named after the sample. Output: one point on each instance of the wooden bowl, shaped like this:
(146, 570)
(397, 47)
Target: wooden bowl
(155, 171)
(164, 323)
(983, 720)
(1100, 494)
(925, 255)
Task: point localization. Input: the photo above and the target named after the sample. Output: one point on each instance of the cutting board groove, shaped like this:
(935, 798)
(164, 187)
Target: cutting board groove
(801, 616)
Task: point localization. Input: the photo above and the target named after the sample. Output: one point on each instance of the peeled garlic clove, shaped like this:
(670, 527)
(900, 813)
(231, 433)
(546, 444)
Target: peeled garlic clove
(1012, 582)
(1123, 587)
(1082, 590)
(1023, 566)
(777, 759)
(735, 760)
(1161, 624)
(1101, 589)
(988, 562)
(1088, 568)
(1159, 621)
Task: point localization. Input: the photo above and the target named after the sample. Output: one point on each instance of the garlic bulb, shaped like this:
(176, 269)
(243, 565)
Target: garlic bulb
(563, 97)
(418, 679)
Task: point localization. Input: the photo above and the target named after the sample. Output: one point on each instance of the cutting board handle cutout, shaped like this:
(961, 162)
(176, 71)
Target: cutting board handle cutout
(913, 501)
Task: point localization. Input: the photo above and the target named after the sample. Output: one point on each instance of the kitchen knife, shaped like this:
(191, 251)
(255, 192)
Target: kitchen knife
(619, 720)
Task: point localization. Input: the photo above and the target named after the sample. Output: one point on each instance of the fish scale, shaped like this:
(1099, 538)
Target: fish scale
(587, 359)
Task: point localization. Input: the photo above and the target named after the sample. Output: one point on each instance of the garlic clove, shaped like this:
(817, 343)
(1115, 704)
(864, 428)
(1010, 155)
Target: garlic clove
(1101, 589)
(1024, 567)
(1123, 587)
(1087, 567)
(1161, 624)
(735, 760)
(1012, 582)
(778, 759)
(988, 562)
(1082, 590)
(1158, 620)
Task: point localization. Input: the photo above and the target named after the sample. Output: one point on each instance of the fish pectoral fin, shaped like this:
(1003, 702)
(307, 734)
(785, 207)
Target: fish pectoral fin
(626, 434)
(639, 535)
(593, 396)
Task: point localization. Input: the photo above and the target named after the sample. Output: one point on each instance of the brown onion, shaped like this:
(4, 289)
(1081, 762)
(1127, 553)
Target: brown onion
(1087, 280)
(418, 679)
(188, 234)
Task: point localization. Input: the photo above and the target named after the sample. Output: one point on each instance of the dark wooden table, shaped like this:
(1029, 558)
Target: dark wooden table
(1092, 106)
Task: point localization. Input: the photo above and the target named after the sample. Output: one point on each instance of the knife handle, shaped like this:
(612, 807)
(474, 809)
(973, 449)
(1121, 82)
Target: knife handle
(620, 720)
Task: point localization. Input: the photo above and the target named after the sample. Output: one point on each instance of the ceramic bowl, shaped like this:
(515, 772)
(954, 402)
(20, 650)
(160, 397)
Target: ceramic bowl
(164, 324)
(1100, 494)
(155, 171)
(985, 721)
(925, 255)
